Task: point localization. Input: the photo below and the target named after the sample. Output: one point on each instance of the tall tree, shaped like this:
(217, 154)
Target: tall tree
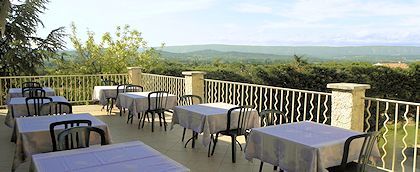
(21, 50)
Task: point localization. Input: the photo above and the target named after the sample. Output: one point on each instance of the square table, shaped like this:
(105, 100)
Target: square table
(209, 118)
(302, 146)
(17, 108)
(137, 102)
(17, 92)
(125, 157)
(100, 93)
(33, 134)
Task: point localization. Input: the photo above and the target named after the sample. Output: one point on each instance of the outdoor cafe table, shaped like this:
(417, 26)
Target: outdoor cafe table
(137, 102)
(302, 146)
(100, 93)
(17, 108)
(32, 134)
(17, 92)
(209, 118)
(125, 157)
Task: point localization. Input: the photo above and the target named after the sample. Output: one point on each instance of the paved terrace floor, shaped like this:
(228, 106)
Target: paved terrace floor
(168, 143)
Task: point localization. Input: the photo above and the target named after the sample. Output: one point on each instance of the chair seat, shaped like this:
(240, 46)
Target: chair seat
(351, 167)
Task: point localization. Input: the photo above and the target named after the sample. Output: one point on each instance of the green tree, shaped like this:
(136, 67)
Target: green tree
(21, 51)
(113, 54)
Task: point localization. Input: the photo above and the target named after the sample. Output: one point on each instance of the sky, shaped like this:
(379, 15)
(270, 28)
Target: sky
(245, 22)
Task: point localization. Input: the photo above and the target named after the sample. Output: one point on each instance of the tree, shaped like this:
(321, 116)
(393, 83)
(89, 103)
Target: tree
(21, 51)
(113, 54)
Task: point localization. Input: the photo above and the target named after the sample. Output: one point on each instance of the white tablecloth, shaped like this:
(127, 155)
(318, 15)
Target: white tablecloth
(100, 93)
(17, 106)
(137, 102)
(302, 146)
(33, 134)
(209, 118)
(17, 92)
(124, 157)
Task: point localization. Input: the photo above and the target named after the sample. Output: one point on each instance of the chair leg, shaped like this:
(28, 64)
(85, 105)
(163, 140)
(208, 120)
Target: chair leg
(261, 166)
(144, 118)
(164, 121)
(233, 149)
(215, 142)
(183, 135)
(211, 139)
(128, 116)
(160, 119)
(153, 121)
(239, 144)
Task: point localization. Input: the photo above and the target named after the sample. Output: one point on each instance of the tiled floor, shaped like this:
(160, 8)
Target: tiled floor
(168, 143)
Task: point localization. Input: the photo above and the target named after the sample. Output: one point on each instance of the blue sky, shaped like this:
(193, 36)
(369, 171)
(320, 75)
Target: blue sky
(263, 22)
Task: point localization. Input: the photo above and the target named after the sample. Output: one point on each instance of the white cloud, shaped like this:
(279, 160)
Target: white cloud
(252, 8)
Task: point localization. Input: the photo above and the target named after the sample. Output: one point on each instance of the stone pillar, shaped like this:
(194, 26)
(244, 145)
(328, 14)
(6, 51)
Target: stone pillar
(194, 83)
(347, 109)
(134, 75)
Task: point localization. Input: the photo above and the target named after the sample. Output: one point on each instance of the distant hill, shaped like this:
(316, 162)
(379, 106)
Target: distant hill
(350, 53)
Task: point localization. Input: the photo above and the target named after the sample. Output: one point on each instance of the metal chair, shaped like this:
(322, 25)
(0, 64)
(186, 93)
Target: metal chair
(78, 137)
(36, 103)
(33, 92)
(369, 140)
(157, 101)
(272, 117)
(30, 84)
(56, 108)
(243, 117)
(112, 100)
(66, 125)
(187, 100)
(132, 88)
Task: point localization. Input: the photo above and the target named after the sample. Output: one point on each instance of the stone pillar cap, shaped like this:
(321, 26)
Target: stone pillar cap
(348, 86)
(188, 73)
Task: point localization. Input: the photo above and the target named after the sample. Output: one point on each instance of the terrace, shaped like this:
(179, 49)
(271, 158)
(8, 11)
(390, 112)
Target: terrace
(397, 121)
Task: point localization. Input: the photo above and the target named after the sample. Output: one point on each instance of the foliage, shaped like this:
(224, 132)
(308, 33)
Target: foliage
(21, 51)
(113, 54)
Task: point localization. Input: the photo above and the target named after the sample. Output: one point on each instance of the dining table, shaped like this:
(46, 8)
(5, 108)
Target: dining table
(209, 118)
(131, 156)
(137, 102)
(101, 93)
(32, 134)
(302, 146)
(17, 108)
(17, 92)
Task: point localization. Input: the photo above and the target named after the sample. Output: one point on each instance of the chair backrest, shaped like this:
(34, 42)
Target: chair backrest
(120, 89)
(133, 88)
(187, 100)
(36, 103)
(108, 82)
(78, 137)
(31, 84)
(56, 108)
(33, 92)
(369, 140)
(66, 125)
(243, 117)
(272, 117)
(160, 100)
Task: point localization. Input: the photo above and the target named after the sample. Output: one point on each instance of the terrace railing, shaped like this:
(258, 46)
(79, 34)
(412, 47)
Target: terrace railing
(298, 105)
(398, 125)
(152, 82)
(76, 88)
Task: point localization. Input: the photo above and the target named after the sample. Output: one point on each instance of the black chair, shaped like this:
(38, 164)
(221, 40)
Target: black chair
(108, 82)
(369, 140)
(33, 92)
(272, 117)
(30, 84)
(36, 104)
(65, 125)
(56, 108)
(156, 105)
(132, 88)
(78, 137)
(187, 100)
(112, 100)
(242, 129)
